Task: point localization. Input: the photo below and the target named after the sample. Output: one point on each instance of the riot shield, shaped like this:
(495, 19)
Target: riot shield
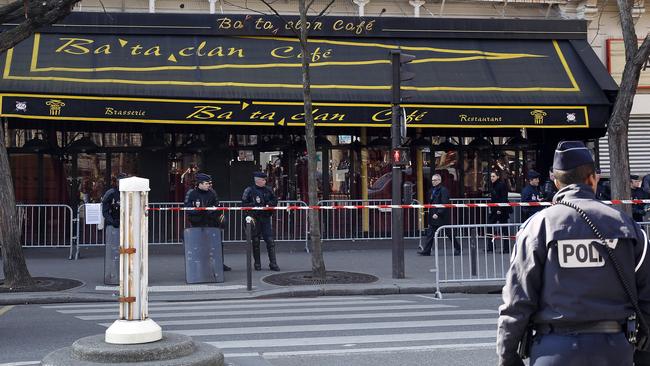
(203, 259)
(112, 256)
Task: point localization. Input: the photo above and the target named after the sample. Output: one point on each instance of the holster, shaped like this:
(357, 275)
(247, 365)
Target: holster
(636, 335)
(526, 343)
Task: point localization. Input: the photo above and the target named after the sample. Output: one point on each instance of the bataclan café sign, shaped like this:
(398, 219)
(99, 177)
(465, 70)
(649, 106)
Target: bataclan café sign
(235, 79)
(261, 113)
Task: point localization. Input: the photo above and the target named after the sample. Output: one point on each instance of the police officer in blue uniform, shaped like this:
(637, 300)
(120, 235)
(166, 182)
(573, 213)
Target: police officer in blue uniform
(636, 193)
(259, 195)
(111, 204)
(565, 286)
(603, 190)
(531, 193)
(204, 196)
(549, 189)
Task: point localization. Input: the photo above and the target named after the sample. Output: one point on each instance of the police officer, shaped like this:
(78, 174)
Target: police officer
(603, 190)
(638, 211)
(204, 196)
(111, 203)
(531, 193)
(437, 216)
(259, 195)
(549, 189)
(559, 283)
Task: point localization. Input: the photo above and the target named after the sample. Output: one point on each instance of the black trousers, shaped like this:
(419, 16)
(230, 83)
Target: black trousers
(430, 236)
(499, 233)
(263, 230)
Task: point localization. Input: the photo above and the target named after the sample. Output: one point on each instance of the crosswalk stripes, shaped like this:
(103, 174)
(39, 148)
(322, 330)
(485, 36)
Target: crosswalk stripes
(312, 326)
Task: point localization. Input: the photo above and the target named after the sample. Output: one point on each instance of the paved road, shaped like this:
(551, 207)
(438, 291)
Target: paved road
(371, 330)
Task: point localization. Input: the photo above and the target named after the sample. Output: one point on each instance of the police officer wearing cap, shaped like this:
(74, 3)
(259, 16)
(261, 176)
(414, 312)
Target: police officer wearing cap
(549, 189)
(259, 195)
(111, 203)
(636, 193)
(204, 196)
(603, 190)
(531, 193)
(563, 283)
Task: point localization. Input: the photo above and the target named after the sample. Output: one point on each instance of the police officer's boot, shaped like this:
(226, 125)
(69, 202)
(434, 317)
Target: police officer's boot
(273, 264)
(256, 255)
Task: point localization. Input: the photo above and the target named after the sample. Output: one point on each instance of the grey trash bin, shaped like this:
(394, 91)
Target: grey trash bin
(112, 256)
(203, 260)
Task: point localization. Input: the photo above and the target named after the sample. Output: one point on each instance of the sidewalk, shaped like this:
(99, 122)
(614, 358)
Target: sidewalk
(167, 274)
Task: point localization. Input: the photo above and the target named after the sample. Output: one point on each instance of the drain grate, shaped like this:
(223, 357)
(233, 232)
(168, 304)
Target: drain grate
(331, 278)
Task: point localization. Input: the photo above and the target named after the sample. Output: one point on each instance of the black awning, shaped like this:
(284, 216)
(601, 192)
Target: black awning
(256, 80)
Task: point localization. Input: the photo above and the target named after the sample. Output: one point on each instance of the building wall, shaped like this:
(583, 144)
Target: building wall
(394, 8)
(604, 25)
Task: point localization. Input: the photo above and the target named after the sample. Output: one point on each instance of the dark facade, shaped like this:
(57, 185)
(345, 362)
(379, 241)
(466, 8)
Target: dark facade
(152, 94)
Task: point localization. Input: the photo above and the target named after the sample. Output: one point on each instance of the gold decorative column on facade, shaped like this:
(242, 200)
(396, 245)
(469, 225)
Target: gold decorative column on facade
(365, 222)
(419, 165)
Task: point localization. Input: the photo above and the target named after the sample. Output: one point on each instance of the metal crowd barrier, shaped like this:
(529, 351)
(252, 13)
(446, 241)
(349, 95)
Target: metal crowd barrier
(462, 216)
(287, 225)
(478, 215)
(484, 252)
(166, 226)
(45, 226)
(349, 224)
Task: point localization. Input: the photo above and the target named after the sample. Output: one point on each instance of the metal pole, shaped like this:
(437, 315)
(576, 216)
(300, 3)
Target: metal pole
(134, 325)
(397, 232)
(249, 254)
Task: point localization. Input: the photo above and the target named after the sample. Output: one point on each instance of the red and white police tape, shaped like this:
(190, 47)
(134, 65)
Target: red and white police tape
(357, 207)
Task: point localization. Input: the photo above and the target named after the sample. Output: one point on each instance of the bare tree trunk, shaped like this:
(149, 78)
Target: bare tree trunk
(617, 128)
(13, 261)
(317, 263)
(29, 15)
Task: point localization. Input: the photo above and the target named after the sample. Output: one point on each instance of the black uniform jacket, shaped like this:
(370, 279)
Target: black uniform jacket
(557, 276)
(548, 190)
(111, 207)
(439, 195)
(255, 196)
(499, 194)
(530, 194)
(200, 198)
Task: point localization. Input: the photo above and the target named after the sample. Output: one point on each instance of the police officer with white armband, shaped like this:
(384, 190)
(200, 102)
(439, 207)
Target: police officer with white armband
(204, 196)
(259, 195)
(579, 277)
(531, 193)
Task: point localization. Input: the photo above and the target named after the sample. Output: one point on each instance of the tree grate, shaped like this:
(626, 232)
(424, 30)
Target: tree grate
(44, 284)
(306, 278)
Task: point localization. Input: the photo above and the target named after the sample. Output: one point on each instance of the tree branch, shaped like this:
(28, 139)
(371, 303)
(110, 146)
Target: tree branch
(627, 26)
(41, 13)
(325, 9)
(11, 11)
(245, 7)
(643, 52)
(277, 14)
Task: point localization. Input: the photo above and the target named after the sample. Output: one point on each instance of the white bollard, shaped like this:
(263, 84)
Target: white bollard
(133, 325)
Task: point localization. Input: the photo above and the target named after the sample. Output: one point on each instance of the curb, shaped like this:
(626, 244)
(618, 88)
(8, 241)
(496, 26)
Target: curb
(52, 298)
(295, 291)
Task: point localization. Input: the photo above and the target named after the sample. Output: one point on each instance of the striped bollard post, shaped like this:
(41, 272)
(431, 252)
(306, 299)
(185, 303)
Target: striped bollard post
(134, 325)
